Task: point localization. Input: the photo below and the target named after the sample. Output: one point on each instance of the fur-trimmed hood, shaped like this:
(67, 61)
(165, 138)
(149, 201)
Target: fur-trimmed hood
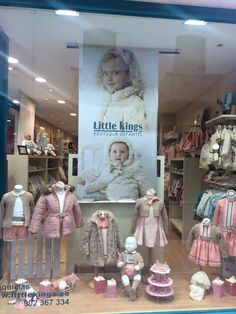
(132, 153)
(47, 189)
(95, 216)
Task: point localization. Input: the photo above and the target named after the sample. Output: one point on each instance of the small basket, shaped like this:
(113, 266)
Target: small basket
(218, 290)
(230, 288)
(99, 286)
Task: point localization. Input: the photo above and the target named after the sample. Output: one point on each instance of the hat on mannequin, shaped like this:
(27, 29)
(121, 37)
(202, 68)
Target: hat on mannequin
(150, 192)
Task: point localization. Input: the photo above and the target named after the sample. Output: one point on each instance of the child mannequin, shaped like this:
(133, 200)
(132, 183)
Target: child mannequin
(102, 238)
(59, 210)
(15, 214)
(30, 145)
(206, 244)
(119, 75)
(225, 219)
(131, 264)
(123, 176)
(150, 221)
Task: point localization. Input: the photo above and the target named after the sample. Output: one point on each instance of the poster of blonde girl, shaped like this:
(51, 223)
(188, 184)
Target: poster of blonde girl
(118, 90)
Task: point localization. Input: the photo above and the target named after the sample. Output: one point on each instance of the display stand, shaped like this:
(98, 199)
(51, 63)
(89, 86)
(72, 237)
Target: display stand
(159, 282)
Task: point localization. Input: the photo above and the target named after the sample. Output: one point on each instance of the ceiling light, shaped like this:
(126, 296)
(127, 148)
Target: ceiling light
(50, 90)
(40, 80)
(195, 22)
(46, 98)
(61, 101)
(10, 68)
(12, 60)
(15, 101)
(67, 12)
(73, 114)
(8, 120)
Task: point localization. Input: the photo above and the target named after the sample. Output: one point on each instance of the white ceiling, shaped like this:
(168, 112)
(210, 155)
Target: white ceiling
(38, 39)
(227, 4)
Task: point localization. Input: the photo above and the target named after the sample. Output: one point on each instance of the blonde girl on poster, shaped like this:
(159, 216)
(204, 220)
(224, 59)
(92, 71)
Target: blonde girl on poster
(119, 75)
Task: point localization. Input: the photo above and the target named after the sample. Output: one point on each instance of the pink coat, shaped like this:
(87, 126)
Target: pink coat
(54, 223)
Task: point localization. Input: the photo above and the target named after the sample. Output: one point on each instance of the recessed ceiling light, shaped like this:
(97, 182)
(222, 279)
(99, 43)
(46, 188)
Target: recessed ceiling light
(15, 101)
(73, 114)
(40, 80)
(67, 12)
(10, 68)
(195, 22)
(8, 120)
(12, 60)
(58, 130)
(50, 90)
(60, 101)
(46, 98)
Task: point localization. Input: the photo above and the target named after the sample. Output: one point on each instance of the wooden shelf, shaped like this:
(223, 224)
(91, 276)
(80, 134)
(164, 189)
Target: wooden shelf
(181, 215)
(36, 170)
(177, 223)
(222, 119)
(178, 173)
(220, 184)
(21, 168)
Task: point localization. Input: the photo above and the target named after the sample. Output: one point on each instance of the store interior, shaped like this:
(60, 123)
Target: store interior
(196, 71)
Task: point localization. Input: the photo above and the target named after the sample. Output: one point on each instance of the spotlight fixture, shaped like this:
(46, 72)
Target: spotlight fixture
(195, 22)
(15, 101)
(12, 60)
(40, 80)
(67, 12)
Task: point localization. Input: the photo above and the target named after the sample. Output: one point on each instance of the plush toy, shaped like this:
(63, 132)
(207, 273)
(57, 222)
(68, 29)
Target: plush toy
(30, 145)
(131, 264)
(49, 148)
(41, 138)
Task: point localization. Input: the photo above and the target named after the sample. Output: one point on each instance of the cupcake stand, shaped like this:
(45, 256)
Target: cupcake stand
(159, 282)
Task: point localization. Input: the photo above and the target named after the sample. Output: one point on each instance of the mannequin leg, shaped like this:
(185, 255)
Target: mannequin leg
(96, 272)
(126, 283)
(135, 284)
(51, 259)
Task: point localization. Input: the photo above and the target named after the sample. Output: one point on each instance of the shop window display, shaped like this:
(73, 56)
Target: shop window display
(148, 226)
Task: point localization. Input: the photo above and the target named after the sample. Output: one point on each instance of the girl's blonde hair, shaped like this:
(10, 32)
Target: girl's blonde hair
(128, 57)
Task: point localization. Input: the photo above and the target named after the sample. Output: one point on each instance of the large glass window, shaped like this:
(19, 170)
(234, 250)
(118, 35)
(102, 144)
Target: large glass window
(124, 109)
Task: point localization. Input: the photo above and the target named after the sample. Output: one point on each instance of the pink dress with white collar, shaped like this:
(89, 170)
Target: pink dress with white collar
(204, 251)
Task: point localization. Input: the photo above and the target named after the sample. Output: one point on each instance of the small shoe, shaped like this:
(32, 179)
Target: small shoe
(132, 294)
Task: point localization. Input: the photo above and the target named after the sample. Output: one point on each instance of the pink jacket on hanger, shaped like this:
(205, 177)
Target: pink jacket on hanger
(54, 223)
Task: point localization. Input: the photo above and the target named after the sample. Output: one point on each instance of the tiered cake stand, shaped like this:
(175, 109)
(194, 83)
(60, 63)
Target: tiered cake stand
(160, 284)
